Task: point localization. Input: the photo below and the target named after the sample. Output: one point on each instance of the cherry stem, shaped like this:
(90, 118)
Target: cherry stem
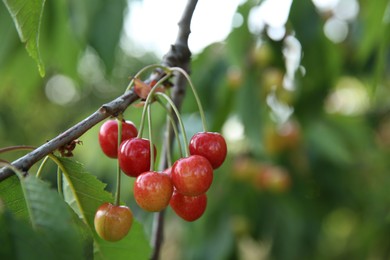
(118, 172)
(41, 166)
(40, 169)
(199, 103)
(60, 171)
(144, 69)
(149, 110)
(4, 161)
(148, 101)
(175, 130)
(179, 119)
(16, 148)
(59, 182)
(168, 147)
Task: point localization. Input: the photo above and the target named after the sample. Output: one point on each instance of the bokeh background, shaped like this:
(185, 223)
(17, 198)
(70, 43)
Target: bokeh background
(300, 90)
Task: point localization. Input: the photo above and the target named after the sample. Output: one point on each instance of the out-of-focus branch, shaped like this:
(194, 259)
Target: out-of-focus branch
(180, 56)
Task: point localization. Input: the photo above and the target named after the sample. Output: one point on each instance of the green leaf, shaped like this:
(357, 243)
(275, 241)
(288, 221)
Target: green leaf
(133, 246)
(329, 143)
(209, 74)
(106, 29)
(11, 194)
(85, 193)
(240, 39)
(374, 28)
(9, 38)
(18, 240)
(27, 15)
(51, 217)
(250, 109)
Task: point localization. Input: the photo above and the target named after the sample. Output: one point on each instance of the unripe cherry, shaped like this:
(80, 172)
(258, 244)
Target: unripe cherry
(112, 223)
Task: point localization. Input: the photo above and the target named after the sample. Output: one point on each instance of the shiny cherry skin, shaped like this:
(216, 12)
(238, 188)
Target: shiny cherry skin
(189, 208)
(134, 156)
(112, 223)
(192, 175)
(210, 145)
(108, 136)
(153, 190)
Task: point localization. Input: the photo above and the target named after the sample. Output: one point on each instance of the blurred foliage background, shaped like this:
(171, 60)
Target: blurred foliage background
(304, 105)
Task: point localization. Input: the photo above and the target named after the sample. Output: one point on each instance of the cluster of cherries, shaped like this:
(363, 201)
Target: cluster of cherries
(183, 186)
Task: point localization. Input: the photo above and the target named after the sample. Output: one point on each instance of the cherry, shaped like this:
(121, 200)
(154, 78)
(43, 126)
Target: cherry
(210, 145)
(108, 136)
(192, 175)
(134, 156)
(153, 190)
(112, 223)
(189, 208)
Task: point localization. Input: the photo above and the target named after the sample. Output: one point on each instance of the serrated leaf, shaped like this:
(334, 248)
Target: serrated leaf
(51, 217)
(27, 15)
(85, 193)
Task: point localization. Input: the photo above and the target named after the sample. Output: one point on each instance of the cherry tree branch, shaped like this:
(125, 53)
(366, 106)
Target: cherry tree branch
(112, 108)
(179, 56)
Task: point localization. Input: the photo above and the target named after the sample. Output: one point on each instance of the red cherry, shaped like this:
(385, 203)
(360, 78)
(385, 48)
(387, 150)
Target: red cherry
(153, 190)
(112, 223)
(210, 145)
(189, 208)
(134, 156)
(192, 175)
(108, 136)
